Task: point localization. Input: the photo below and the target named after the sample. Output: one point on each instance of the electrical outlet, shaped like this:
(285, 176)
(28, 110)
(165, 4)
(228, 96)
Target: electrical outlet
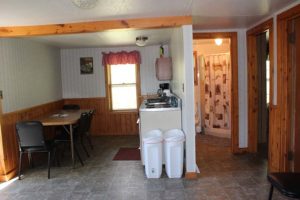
(1, 94)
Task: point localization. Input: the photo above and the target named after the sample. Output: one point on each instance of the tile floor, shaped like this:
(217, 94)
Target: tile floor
(223, 176)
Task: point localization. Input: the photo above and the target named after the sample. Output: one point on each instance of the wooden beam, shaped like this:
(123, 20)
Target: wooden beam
(95, 26)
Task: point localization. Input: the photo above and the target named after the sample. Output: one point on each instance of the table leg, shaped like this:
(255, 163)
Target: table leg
(72, 145)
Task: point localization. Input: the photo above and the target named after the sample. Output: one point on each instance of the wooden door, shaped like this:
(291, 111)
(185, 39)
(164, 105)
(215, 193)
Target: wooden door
(294, 62)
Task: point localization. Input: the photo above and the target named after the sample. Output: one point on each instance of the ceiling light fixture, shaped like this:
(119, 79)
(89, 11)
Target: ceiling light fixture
(218, 41)
(85, 4)
(141, 41)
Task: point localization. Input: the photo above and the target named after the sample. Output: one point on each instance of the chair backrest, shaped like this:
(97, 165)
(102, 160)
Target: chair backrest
(71, 107)
(83, 123)
(91, 114)
(30, 134)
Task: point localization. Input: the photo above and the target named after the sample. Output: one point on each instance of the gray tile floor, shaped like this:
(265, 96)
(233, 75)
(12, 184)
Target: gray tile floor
(223, 176)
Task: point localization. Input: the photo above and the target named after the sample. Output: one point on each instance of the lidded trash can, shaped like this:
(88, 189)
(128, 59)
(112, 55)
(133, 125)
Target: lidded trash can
(152, 144)
(173, 151)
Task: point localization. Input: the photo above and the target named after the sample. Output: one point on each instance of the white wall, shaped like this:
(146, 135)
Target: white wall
(181, 51)
(29, 74)
(242, 81)
(76, 85)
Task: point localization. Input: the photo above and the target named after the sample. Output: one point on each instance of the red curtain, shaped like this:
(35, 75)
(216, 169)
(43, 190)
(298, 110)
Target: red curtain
(122, 57)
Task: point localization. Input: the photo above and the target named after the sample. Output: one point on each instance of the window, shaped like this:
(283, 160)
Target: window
(122, 86)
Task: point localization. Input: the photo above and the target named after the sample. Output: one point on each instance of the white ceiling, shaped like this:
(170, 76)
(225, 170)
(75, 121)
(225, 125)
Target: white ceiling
(226, 13)
(107, 38)
(207, 14)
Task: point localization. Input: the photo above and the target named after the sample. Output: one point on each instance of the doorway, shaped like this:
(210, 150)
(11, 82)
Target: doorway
(216, 86)
(213, 93)
(263, 92)
(260, 86)
(294, 65)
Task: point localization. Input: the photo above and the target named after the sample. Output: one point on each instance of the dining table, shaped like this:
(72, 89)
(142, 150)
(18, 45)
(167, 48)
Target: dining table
(67, 119)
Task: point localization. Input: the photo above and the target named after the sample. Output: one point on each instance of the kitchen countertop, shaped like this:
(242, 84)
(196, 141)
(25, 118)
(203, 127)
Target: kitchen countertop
(144, 108)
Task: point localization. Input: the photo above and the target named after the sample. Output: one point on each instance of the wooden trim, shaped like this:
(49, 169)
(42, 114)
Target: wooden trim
(253, 81)
(95, 26)
(191, 175)
(234, 82)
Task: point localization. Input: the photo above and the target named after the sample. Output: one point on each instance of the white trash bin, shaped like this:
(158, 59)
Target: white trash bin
(173, 150)
(152, 144)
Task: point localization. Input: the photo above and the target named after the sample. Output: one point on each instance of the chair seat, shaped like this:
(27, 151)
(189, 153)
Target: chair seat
(287, 183)
(49, 147)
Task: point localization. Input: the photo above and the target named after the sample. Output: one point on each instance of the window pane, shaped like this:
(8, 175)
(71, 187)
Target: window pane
(124, 97)
(123, 74)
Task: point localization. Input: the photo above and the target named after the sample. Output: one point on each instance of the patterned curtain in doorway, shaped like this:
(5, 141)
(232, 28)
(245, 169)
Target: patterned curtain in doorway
(217, 79)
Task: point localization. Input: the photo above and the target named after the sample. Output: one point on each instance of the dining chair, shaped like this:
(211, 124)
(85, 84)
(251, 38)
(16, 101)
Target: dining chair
(71, 107)
(78, 132)
(87, 133)
(287, 183)
(31, 140)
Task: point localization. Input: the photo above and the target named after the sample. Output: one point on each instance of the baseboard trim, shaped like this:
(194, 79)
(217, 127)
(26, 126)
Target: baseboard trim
(191, 175)
(7, 177)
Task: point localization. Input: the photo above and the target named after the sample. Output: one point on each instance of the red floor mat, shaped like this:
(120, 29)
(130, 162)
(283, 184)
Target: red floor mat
(127, 153)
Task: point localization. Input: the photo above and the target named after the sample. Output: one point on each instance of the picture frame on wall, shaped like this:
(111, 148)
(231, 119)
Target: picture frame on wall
(86, 65)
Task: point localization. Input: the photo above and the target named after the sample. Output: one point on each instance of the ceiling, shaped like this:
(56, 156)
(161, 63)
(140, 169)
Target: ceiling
(107, 38)
(206, 14)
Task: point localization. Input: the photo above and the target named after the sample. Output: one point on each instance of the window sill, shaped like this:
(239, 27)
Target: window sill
(124, 111)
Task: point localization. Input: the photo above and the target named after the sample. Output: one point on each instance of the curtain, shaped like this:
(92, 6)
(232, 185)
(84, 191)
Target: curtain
(122, 57)
(217, 80)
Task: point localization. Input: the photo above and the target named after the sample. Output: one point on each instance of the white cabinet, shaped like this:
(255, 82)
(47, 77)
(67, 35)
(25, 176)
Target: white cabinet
(163, 120)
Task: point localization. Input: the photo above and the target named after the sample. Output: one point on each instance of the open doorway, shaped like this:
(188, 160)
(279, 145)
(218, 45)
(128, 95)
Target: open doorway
(263, 92)
(216, 86)
(213, 93)
(260, 86)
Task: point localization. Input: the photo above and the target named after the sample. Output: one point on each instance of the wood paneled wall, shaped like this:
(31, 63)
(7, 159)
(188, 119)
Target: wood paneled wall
(106, 122)
(8, 142)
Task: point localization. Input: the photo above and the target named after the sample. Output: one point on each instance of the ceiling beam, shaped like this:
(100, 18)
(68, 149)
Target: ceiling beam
(95, 26)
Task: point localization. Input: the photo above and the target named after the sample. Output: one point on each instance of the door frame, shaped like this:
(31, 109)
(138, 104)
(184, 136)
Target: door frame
(282, 116)
(253, 79)
(234, 83)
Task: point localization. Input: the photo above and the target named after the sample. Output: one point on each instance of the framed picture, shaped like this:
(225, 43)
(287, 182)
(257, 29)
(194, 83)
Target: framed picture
(86, 65)
(195, 68)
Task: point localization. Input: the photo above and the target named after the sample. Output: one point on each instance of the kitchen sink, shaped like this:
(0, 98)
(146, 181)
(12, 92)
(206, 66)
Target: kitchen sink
(165, 105)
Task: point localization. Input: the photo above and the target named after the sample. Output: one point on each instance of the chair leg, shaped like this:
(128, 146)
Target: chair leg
(90, 141)
(271, 192)
(20, 165)
(49, 163)
(87, 153)
(77, 153)
(30, 160)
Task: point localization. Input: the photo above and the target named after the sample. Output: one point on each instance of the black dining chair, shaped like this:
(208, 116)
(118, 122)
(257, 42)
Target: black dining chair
(78, 133)
(87, 133)
(31, 140)
(287, 184)
(71, 107)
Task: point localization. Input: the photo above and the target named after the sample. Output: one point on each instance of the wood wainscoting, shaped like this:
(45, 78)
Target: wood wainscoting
(106, 122)
(8, 143)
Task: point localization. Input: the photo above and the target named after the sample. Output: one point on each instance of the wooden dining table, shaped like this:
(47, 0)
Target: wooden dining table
(64, 118)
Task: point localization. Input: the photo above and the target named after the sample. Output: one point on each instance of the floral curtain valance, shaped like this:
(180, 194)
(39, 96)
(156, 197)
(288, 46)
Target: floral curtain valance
(122, 57)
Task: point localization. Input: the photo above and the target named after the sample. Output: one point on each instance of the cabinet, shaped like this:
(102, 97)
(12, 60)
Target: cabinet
(163, 68)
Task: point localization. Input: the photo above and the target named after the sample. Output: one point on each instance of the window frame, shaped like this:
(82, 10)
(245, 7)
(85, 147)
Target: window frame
(109, 89)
